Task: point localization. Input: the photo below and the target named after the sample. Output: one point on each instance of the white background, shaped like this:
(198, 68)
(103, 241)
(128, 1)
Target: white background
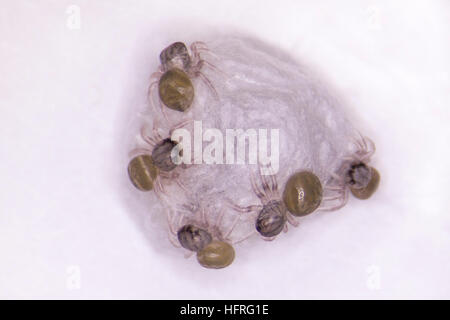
(68, 94)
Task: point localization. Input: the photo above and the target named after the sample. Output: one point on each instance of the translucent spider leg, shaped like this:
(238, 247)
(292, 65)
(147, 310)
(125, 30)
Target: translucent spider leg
(151, 140)
(188, 254)
(154, 81)
(265, 185)
(205, 217)
(198, 46)
(160, 191)
(173, 236)
(341, 197)
(259, 193)
(366, 147)
(153, 84)
(233, 225)
(138, 151)
(208, 84)
(197, 65)
(171, 176)
(180, 125)
(273, 185)
(292, 220)
(244, 237)
(220, 217)
(342, 202)
(241, 209)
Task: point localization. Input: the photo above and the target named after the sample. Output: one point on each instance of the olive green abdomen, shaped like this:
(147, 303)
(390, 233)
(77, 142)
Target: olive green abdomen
(216, 255)
(142, 172)
(176, 90)
(366, 192)
(302, 193)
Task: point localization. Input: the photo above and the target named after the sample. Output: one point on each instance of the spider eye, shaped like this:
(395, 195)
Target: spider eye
(367, 191)
(216, 255)
(302, 193)
(176, 90)
(142, 172)
(193, 238)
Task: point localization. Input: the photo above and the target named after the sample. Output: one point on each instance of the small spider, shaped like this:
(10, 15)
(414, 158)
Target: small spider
(152, 164)
(355, 175)
(174, 75)
(272, 213)
(302, 195)
(193, 231)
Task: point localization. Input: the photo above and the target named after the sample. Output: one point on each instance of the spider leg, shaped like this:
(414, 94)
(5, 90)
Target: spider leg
(333, 188)
(343, 201)
(219, 219)
(173, 241)
(244, 237)
(172, 234)
(337, 177)
(363, 141)
(157, 136)
(213, 67)
(180, 221)
(292, 220)
(241, 209)
(227, 234)
(198, 45)
(170, 221)
(149, 140)
(371, 147)
(149, 93)
(208, 84)
(154, 80)
(273, 185)
(160, 186)
(349, 158)
(181, 185)
(332, 198)
(260, 194)
(265, 183)
(163, 111)
(204, 217)
(180, 125)
(137, 151)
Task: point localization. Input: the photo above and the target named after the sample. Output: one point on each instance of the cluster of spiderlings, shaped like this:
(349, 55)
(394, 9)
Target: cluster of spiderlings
(302, 194)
